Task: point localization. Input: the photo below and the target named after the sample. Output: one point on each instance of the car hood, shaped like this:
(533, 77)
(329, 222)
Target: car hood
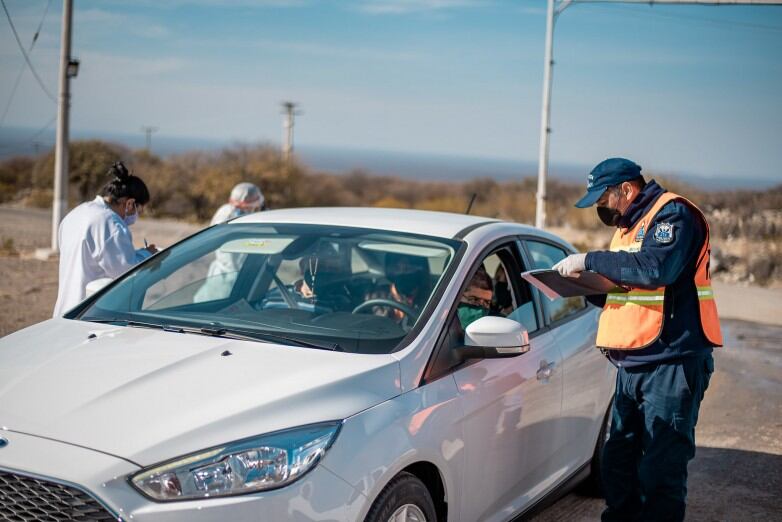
(148, 395)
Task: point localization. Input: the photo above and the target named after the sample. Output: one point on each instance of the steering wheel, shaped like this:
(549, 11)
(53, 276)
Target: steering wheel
(409, 311)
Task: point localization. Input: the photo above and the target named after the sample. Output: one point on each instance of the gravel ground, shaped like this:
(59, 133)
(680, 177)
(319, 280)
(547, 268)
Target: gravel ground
(737, 471)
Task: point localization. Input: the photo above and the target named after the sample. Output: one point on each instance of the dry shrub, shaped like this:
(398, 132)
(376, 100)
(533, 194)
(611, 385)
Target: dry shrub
(15, 175)
(88, 163)
(38, 198)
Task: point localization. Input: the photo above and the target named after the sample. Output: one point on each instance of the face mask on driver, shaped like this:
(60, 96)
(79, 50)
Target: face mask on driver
(468, 314)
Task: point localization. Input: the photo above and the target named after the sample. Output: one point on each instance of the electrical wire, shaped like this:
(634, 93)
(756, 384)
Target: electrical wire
(22, 68)
(24, 53)
(29, 140)
(677, 16)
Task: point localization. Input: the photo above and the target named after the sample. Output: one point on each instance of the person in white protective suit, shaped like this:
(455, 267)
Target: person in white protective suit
(95, 239)
(245, 198)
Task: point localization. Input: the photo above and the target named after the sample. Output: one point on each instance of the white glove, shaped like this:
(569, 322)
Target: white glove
(571, 265)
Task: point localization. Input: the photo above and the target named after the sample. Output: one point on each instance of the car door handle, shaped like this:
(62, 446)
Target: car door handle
(545, 371)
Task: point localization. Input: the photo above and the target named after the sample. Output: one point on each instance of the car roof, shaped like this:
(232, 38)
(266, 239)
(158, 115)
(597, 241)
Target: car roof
(425, 222)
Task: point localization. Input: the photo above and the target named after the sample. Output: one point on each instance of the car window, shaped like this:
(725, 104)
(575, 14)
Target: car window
(208, 278)
(362, 289)
(544, 256)
(493, 288)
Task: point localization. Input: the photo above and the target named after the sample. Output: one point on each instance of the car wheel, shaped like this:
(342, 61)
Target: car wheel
(404, 499)
(594, 484)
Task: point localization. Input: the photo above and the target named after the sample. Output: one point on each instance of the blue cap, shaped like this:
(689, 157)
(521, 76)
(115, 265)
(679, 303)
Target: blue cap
(608, 173)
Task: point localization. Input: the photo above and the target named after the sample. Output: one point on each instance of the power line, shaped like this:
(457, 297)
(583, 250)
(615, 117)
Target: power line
(32, 138)
(41, 131)
(24, 53)
(21, 69)
(675, 16)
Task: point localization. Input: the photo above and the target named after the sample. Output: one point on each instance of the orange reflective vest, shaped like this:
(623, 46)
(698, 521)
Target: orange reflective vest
(633, 320)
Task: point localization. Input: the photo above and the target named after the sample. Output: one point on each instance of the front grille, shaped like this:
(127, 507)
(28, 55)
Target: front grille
(27, 499)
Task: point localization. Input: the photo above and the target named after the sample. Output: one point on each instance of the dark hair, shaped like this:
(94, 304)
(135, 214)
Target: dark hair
(481, 279)
(124, 185)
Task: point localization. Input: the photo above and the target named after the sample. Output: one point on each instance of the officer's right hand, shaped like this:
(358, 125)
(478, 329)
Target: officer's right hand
(152, 249)
(571, 265)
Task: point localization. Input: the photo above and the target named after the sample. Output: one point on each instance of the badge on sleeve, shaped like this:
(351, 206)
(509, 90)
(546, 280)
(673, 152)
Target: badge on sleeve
(641, 233)
(663, 233)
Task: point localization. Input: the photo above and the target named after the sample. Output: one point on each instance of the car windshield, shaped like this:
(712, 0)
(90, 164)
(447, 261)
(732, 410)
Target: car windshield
(350, 289)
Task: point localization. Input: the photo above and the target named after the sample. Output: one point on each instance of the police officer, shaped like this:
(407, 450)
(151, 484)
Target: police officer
(658, 329)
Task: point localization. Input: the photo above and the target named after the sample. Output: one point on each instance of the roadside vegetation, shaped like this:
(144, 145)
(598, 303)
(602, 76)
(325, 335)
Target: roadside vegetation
(746, 225)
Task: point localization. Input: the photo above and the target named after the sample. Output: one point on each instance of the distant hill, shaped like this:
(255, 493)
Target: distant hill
(425, 167)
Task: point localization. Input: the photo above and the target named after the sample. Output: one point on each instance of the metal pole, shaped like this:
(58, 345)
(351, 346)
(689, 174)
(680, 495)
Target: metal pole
(60, 199)
(545, 119)
(148, 131)
(287, 130)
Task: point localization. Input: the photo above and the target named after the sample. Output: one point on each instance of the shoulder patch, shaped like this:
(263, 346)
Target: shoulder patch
(663, 233)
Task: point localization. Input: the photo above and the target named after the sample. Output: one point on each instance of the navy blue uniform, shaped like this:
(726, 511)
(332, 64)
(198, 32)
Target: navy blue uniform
(659, 388)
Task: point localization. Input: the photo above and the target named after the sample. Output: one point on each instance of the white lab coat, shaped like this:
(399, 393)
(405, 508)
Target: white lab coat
(94, 242)
(223, 270)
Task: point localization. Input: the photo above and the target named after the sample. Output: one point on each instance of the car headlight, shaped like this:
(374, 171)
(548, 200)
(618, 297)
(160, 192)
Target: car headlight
(245, 466)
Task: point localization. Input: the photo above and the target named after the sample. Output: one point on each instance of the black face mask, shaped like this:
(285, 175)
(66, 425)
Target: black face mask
(609, 216)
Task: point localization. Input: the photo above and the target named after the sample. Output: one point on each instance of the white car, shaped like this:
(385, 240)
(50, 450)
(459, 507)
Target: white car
(309, 365)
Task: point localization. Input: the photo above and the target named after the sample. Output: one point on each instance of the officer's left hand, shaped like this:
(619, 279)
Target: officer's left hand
(571, 265)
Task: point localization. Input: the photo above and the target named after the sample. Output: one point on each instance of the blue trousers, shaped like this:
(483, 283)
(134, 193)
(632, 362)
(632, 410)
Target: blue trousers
(652, 438)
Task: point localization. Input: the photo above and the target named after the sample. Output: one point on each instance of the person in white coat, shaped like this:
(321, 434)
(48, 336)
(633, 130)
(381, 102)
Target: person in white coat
(245, 198)
(95, 241)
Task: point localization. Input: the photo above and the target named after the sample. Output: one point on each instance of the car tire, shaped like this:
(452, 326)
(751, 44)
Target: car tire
(593, 485)
(406, 499)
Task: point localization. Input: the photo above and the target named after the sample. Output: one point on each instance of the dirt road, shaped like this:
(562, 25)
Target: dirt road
(737, 472)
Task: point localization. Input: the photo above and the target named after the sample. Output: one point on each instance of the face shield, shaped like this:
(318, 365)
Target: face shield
(246, 198)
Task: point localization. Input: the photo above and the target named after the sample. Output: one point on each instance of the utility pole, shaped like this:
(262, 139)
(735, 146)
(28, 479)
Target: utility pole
(289, 110)
(148, 131)
(68, 69)
(545, 119)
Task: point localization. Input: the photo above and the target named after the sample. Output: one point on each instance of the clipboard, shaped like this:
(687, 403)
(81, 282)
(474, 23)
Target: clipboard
(553, 285)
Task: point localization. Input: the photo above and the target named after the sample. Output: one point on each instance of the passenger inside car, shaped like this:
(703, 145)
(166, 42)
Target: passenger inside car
(324, 278)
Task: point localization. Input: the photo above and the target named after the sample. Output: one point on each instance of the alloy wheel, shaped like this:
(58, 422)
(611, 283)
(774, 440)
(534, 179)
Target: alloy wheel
(408, 513)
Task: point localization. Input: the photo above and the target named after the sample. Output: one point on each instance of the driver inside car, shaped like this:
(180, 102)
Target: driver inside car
(408, 284)
(476, 300)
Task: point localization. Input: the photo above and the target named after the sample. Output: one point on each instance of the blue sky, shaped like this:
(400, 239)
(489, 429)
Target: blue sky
(677, 88)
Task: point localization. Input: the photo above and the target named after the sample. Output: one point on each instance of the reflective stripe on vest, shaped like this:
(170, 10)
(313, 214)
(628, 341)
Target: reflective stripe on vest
(633, 320)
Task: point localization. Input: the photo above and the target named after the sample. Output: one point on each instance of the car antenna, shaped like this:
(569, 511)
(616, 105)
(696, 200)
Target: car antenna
(472, 200)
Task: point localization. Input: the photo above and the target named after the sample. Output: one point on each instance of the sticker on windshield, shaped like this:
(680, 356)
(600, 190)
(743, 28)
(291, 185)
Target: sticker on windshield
(257, 245)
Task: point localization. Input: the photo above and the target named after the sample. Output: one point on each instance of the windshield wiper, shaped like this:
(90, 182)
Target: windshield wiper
(218, 330)
(137, 324)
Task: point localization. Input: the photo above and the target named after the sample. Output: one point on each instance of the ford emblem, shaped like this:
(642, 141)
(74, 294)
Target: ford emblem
(3, 442)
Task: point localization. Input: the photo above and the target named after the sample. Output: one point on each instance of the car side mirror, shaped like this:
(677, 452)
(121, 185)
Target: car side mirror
(494, 338)
(93, 287)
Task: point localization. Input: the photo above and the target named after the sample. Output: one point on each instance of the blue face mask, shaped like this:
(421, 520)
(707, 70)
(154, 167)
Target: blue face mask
(130, 219)
(468, 314)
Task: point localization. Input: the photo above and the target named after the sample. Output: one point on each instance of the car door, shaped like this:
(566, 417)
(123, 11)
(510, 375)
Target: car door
(511, 406)
(586, 371)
